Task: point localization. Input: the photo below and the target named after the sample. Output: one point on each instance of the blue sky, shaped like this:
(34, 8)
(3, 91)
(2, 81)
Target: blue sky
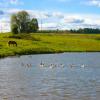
(54, 14)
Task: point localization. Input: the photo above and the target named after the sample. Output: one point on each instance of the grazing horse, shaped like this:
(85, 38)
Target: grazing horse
(12, 43)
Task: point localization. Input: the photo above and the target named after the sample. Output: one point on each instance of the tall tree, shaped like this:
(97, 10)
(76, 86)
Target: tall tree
(22, 23)
(33, 25)
(14, 24)
(23, 20)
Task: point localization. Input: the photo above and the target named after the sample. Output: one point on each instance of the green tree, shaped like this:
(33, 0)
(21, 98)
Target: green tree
(14, 24)
(14, 29)
(21, 23)
(33, 25)
(23, 20)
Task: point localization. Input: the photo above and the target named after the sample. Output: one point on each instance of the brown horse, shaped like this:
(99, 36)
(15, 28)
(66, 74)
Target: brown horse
(12, 43)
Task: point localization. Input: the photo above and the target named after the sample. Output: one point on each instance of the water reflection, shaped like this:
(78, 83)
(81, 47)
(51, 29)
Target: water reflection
(69, 76)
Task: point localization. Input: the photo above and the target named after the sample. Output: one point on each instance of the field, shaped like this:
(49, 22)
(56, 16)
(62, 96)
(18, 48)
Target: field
(38, 43)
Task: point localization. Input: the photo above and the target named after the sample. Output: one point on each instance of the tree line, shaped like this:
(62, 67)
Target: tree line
(21, 22)
(86, 30)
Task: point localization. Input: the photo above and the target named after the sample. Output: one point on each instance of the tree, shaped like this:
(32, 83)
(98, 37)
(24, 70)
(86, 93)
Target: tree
(14, 29)
(22, 23)
(33, 25)
(14, 24)
(23, 20)
(86, 30)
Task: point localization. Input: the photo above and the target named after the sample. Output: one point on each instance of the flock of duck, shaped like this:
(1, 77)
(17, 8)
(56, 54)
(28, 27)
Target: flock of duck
(51, 65)
(60, 65)
(45, 65)
(26, 65)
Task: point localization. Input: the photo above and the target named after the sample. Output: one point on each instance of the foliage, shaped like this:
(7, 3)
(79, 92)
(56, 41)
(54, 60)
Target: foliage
(22, 23)
(14, 24)
(86, 30)
(14, 29)
(33, 25)
(23, 20)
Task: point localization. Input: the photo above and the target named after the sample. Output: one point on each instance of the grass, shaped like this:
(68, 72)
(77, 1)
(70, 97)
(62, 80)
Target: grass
(38, 43)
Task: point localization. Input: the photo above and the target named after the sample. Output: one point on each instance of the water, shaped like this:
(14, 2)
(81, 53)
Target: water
(21, 78)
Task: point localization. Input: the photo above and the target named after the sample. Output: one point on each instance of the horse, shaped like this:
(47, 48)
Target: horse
(12, 43)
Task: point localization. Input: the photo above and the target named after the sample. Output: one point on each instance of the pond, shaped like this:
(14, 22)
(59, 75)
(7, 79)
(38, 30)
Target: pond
(66, 76)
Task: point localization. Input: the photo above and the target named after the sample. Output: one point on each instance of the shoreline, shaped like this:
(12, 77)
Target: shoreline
(37, 43)
(17, 55)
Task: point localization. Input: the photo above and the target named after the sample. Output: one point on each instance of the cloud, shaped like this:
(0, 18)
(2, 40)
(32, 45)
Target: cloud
(4, 24)
(92, 3)
(49, 25)
(73, 20)
(16, 2)
(11, 11)
(8, 3)
(58, 15)
(44, 14)
(39, 14)
(55, 20)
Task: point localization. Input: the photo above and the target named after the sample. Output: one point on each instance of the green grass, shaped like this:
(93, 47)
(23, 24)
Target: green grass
(38, 43)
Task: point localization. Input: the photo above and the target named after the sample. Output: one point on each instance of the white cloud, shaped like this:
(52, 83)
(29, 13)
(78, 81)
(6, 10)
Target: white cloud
(11, 11)
(16, 2)
(55, 20)
(73, 20)
(4, 24)
(58, 14)
(92, 3)
(8, 3)
(49, 25)
(39, 14)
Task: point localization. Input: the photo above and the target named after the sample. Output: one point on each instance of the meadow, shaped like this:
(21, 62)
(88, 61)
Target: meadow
(42, 43)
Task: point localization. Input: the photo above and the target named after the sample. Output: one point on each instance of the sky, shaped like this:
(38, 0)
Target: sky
(53, 14)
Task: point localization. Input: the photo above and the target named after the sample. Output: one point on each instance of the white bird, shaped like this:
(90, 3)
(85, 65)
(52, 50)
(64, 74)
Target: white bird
(62, 65)
(72, 65)
(41, 64)
(51, 66)
(82, 65)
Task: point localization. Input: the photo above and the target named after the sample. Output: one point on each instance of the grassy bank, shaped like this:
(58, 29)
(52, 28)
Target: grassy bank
(49, 43)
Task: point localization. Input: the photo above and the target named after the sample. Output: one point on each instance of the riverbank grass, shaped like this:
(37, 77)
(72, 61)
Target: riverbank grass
(38, 43)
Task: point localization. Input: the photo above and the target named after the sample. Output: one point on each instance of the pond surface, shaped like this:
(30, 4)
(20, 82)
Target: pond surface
(67, 76)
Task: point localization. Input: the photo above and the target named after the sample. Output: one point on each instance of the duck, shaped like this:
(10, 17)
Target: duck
(41, 64)
(29, 65)
(51, 66)
(82, 65)
(62, 65)
(72, 65)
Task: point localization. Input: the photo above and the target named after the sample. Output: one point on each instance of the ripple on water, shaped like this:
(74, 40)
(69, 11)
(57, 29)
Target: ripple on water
(19, 82)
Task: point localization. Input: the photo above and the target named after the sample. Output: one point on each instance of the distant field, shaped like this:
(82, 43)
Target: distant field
(37, 43)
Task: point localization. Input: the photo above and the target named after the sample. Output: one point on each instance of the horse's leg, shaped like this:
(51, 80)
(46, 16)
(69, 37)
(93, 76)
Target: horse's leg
(9, 44)
(16, 44)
